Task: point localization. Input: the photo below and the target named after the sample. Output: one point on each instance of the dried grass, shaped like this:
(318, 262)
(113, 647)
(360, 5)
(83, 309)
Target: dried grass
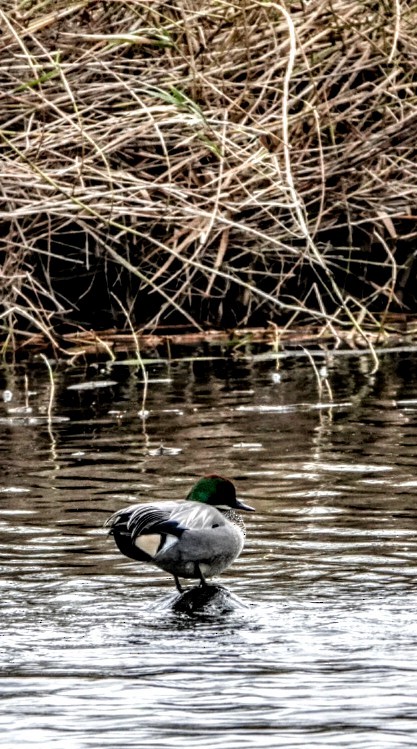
(244, 161)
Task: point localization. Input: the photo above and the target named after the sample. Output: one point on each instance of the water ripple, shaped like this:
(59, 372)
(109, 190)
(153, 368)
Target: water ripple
(313, 640)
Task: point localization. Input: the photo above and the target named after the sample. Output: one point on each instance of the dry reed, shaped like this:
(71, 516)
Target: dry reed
(225, 163)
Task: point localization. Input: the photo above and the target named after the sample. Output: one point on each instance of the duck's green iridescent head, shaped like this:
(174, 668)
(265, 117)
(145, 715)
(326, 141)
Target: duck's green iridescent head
(217, 491)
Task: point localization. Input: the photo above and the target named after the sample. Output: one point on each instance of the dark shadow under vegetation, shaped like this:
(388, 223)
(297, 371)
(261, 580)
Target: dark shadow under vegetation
(205, 165)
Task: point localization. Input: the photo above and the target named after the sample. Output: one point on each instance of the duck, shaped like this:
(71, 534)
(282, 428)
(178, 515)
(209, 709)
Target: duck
(196, 538)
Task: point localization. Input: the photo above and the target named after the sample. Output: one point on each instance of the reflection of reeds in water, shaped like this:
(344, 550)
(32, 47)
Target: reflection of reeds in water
(220, 163)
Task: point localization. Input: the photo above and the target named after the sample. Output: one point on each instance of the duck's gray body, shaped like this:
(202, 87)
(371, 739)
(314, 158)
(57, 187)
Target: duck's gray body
(187, 539)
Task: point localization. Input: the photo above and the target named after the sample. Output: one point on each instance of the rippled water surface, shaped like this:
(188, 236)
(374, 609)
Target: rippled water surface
(314, 641)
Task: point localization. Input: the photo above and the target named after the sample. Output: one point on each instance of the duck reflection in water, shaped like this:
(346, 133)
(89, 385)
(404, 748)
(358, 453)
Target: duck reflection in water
(196, 538)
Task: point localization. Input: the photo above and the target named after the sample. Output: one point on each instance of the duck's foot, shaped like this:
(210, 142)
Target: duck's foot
(178, 585)
(203, 581)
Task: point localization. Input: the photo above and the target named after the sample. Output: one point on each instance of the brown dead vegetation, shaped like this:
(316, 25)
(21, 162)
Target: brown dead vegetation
(211, 163)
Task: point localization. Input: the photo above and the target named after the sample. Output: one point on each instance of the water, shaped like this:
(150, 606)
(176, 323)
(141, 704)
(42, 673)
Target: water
(317, 645)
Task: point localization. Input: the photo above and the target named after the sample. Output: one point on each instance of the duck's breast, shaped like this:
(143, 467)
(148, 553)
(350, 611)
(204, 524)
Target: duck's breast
(209, 540)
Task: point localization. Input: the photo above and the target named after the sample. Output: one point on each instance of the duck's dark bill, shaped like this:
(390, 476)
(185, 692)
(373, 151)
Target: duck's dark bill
(241, 506)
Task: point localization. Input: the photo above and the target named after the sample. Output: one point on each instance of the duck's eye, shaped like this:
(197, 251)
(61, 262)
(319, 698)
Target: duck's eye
(216, 525)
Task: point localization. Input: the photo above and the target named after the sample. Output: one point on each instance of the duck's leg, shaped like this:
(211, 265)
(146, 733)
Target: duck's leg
(178, 585)
(203, 581)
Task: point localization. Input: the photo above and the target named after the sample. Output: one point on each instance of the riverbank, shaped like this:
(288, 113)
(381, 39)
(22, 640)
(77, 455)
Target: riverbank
(217, 166)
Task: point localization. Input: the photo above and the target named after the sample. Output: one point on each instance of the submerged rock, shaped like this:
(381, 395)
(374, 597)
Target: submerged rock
(210, 599)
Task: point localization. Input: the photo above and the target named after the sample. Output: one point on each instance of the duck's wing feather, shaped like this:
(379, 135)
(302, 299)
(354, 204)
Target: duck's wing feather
(164, 517)
(196, 516)
(140, 531)
(150, 519)
(147, 518)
